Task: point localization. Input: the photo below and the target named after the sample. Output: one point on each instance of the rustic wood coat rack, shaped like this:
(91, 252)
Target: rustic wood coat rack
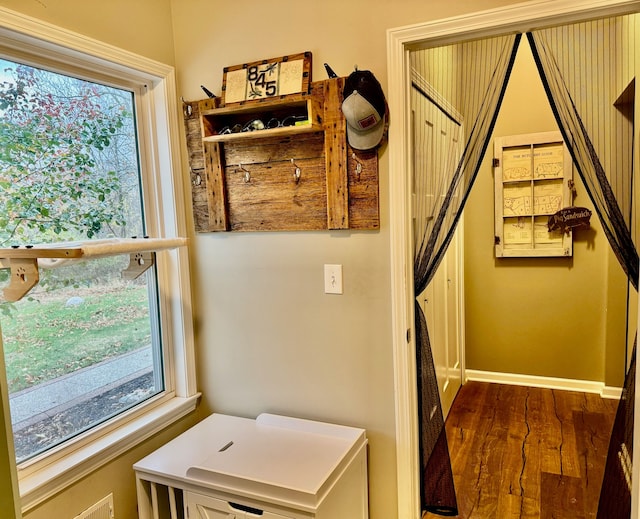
(280, 178)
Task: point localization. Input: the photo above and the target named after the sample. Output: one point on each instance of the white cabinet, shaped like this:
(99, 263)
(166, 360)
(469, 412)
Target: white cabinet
(273, 467)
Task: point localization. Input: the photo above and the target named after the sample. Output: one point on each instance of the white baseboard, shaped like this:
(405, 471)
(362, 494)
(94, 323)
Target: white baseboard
(611, 392)
(567, 384)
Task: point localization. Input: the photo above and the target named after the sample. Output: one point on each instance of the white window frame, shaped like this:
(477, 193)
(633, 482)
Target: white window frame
(34, 42)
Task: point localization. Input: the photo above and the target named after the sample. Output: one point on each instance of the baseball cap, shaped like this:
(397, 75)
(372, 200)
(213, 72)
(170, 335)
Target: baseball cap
(364, 108)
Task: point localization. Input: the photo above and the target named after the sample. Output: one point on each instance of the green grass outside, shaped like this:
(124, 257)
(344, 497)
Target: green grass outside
(46, 339)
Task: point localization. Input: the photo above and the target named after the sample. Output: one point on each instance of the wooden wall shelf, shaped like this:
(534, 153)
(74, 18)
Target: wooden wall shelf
(215, 120)
(285, 178)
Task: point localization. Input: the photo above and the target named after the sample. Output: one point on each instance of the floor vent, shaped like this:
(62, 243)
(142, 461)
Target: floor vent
(103, 509)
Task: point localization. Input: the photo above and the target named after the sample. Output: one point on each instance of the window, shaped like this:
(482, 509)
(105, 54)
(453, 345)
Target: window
(86, 140)
(85, 345)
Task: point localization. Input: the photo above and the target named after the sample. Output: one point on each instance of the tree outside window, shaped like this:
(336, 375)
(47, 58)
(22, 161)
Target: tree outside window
(69, 171)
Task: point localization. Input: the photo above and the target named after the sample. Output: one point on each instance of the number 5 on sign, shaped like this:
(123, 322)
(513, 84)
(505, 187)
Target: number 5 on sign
(276, 77)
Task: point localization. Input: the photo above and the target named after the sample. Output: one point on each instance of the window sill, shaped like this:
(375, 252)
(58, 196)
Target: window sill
(40, 480)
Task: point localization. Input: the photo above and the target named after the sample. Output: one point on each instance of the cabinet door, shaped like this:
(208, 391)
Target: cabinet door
(204, 507)
(199, 506)
(266, 515)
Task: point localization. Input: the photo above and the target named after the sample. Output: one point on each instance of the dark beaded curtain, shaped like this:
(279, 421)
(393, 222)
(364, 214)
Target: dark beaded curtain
(586, 70)
(471, 76)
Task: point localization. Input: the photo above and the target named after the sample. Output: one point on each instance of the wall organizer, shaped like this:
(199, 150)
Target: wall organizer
(533, 182)
(294, 172)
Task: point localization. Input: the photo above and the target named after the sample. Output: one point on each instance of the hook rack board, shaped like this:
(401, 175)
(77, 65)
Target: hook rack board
(291, 178)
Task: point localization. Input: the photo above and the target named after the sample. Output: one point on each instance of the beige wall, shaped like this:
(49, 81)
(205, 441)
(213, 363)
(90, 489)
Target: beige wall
(542, 316)
(140, 26)
(271, 340)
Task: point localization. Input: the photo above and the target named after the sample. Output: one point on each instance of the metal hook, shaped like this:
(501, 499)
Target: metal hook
(358, 165)
(297, 172)
(247, 173)
(197, 179)
(188, 110)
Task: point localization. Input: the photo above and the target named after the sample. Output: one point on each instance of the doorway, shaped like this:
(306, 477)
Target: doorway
(400, 42)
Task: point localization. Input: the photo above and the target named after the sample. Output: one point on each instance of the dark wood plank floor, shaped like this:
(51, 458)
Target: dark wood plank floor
(521, 452)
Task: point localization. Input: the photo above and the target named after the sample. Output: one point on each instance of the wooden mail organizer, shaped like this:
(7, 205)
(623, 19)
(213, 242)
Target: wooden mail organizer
(274, 467)
(296, 172)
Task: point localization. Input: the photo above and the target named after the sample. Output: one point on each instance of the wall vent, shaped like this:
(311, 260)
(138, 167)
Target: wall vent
(103, 509)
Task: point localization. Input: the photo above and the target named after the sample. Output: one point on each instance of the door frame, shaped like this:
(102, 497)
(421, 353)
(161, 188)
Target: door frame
(400, 41)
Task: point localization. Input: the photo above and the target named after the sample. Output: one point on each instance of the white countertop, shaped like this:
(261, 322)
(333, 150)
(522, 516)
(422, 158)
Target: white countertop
(277, 458)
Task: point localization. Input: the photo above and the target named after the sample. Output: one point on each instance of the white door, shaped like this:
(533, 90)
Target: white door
(441, 302)
(437, 137)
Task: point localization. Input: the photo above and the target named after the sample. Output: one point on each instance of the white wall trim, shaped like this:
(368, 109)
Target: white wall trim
(20, 31)
(635, 476)
(517, 17)
(611, 392)
(565, 384)
(401, 275)
(38, 487)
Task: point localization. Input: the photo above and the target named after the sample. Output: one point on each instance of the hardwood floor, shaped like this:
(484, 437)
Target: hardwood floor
(520, 452)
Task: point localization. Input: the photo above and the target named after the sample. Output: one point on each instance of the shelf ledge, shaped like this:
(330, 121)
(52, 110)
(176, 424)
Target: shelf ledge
(26, 261)
(285, 131)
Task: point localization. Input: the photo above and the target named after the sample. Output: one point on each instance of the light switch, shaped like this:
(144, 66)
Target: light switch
(333, 279)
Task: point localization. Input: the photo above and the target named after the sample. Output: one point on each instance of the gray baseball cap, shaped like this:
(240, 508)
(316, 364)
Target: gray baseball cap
(364, 108)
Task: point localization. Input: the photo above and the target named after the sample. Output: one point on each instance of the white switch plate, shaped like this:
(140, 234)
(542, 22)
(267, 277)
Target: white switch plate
(333, 279)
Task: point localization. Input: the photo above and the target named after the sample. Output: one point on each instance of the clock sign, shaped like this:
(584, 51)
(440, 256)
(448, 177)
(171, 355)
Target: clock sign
(271, 78)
